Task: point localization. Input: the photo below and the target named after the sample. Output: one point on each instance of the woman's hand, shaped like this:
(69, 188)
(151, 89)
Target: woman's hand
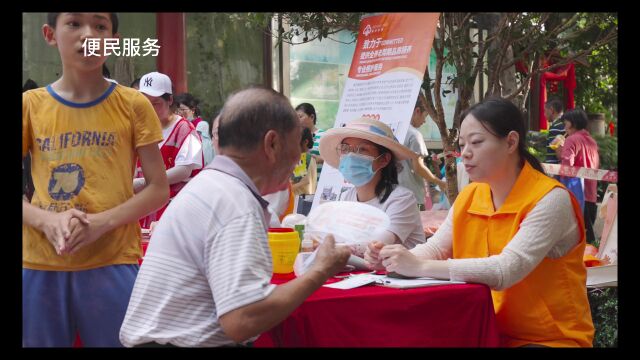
(372, 256)
(398, 259)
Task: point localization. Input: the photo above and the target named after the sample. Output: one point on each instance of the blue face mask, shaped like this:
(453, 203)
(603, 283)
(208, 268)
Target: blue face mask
(357, 169)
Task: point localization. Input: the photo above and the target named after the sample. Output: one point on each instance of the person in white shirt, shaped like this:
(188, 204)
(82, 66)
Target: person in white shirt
(366, 152)
(414, 171)
(205, 279)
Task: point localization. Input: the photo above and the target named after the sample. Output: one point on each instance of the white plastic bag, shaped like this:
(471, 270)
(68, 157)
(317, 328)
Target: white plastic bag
(292, 220)
(351, 223)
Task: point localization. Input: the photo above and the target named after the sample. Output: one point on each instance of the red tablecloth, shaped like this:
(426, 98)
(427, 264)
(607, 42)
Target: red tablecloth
(375, 316)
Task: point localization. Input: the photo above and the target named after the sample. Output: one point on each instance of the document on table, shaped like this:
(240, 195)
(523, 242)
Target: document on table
(383, 280)
(414, 283)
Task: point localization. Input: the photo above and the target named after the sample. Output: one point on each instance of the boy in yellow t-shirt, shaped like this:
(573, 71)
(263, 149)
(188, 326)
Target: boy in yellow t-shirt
(80, 236)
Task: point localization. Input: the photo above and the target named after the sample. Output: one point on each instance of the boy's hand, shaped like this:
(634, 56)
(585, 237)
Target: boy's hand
(55, 226)
(85, 234)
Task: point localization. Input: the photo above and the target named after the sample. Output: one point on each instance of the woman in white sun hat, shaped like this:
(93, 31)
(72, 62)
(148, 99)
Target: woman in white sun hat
(367, 154)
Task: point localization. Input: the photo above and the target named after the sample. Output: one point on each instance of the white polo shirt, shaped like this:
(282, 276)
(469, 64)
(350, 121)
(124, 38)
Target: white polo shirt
(208, 255)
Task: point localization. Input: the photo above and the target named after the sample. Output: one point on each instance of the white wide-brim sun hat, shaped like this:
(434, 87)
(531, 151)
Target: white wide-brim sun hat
(362, 128)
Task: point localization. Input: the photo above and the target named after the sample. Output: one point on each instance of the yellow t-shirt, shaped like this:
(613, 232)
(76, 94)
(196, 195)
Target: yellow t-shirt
(301, 169)
(83, 156)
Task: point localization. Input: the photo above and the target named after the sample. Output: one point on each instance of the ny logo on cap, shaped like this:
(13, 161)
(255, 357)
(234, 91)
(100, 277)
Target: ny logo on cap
(148, 81)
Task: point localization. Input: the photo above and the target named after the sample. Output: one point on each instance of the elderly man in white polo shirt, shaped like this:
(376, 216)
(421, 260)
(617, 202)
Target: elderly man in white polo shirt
(205, 279)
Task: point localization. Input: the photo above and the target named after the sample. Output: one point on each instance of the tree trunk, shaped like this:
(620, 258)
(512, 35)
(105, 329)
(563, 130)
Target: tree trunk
(508, 75)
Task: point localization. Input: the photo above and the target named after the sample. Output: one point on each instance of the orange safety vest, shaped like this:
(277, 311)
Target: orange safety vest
(290, 202)
(550, 305)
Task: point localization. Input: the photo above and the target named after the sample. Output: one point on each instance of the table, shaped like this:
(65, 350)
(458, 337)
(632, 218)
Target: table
(431, 220)
(373, 316)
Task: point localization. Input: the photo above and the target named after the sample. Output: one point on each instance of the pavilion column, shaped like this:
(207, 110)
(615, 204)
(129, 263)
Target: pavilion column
(172, 57)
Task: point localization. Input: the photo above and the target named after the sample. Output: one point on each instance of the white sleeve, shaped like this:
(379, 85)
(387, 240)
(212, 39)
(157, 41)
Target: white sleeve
(190, 153)
(549, 230)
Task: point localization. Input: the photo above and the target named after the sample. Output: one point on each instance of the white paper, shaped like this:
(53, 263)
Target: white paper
(602, 276)
(383, 280)
(413, 283)
(355, 281)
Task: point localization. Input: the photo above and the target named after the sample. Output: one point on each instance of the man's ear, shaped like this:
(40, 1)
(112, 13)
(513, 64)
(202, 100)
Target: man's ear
(49, 34)
(513, 138)
(271, 145)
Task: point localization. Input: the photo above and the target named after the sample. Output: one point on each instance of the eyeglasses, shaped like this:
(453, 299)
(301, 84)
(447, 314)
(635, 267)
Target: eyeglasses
(182, 109)
(343, 149)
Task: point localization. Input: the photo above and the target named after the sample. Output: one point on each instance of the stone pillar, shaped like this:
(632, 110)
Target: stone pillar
(172, 58)
(596, 124)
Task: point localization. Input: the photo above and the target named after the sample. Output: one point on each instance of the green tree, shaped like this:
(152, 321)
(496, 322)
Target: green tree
(476, 43)
(511, 38)
(597, 91)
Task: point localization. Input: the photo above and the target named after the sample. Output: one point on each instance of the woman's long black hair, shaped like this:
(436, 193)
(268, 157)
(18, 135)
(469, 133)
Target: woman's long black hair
(389, 176)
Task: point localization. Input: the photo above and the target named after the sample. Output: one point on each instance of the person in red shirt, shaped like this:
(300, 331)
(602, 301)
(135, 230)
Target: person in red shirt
(581, 150)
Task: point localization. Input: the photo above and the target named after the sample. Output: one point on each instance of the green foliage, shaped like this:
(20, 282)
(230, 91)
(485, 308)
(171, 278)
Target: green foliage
(597, 82)
(537, 141)
(309, 25)
(608, 152)
(533, 37)
(604, 312)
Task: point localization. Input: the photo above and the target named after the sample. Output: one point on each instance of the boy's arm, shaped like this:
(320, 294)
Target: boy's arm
(424, 171)
(152, 197)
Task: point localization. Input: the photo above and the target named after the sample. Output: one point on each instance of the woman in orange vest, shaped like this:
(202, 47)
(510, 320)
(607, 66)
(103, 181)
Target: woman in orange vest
(514, 229)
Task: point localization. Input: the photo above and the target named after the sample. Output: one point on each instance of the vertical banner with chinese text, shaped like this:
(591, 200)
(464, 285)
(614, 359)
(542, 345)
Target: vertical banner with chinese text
(392, 53)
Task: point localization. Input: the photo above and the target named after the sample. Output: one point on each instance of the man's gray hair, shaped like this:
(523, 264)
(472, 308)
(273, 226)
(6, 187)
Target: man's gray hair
(248, 114)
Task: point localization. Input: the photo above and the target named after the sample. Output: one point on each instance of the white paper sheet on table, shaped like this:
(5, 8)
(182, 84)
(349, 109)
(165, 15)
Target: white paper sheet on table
(414, 283)
(383, 280)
